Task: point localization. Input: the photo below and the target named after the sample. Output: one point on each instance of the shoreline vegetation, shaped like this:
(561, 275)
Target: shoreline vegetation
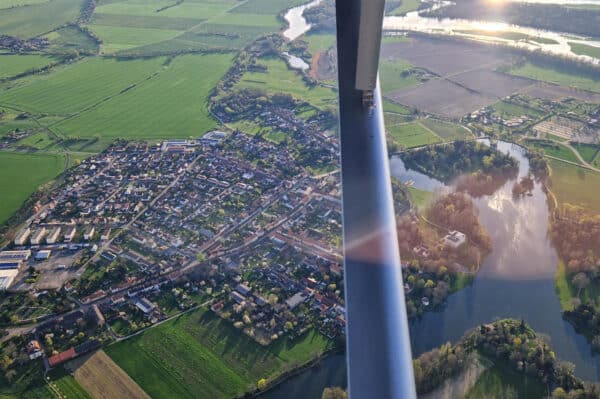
(512, 343)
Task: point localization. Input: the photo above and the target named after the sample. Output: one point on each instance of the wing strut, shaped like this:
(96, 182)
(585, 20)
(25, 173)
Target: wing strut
(378, 344)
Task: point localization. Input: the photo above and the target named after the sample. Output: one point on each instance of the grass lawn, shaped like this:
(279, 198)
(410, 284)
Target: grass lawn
(405, 6)
(21, 175)
(420, 198)
(11, 65)
(446, 130)
(510, 110)
(392, 78)
(584, 49)
(171, 104)
(280, 79)
(575, 185)
(200, 355)
(16, 3)
(72, 88)
(412, 134)
(34, 20)
(553, 75)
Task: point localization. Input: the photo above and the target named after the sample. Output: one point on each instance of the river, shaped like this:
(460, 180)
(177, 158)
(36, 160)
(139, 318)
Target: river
(515, 280)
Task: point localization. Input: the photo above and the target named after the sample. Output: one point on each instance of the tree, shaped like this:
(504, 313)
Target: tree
(200, 257)
(559, 393)
(334, 393)
(261, 384)
(580, 281)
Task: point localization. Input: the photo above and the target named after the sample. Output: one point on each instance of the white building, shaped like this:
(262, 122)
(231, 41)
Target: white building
(70, 234)
(23, 236)
(38, 236)
(89, 233)
(455, 239)
(53, 236)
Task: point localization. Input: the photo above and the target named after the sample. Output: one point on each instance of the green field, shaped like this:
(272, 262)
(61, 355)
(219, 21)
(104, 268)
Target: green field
(280, 79)
(72, 88)
(575, 185)
(587, 152)
(583, 49)
(394, 108)
(412, 134)
(69, 39)
(394, 75)
(516, 36)
(319, 42)
(405, 6)
(120, 38)
(511, 110)
(446, 130)
(553, 75)
(199, 355)
(17, 3)
(11, 65)
(271, 7)
(37, 141)
(420, 198)
(171, 104)
(561, 152)
(66, 385)
(34, 20)
(21, 175)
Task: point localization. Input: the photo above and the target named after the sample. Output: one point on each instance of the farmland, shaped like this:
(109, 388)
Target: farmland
(40, 18)
(102, 378)
(63, 383)
(553, 75)
(511, 110)
(199, 355)
(405, 7)
(181, 112)
(395, 76)
(446, 130)
(120, 38)
(21, 174)
(575, 185)
(556, 150)
(412, 134)
(582, 49)
(280, 79)
(11, 65)
(80, 85)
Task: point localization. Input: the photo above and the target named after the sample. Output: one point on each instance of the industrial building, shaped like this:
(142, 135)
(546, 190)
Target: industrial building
(53, 236)
(15, 255)
(23, 236)
(38, 236)
(70, 234)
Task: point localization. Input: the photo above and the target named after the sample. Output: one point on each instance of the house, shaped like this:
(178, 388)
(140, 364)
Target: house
(236, 296)
(295, 300)
(243, 289)
(455, 239)
(34, 349)
(38, 236)
(22, 237)
(62, 357)
(52, 237)
(105, 235)
(97, 315)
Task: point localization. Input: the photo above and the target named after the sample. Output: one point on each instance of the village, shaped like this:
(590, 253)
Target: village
(144, 232)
